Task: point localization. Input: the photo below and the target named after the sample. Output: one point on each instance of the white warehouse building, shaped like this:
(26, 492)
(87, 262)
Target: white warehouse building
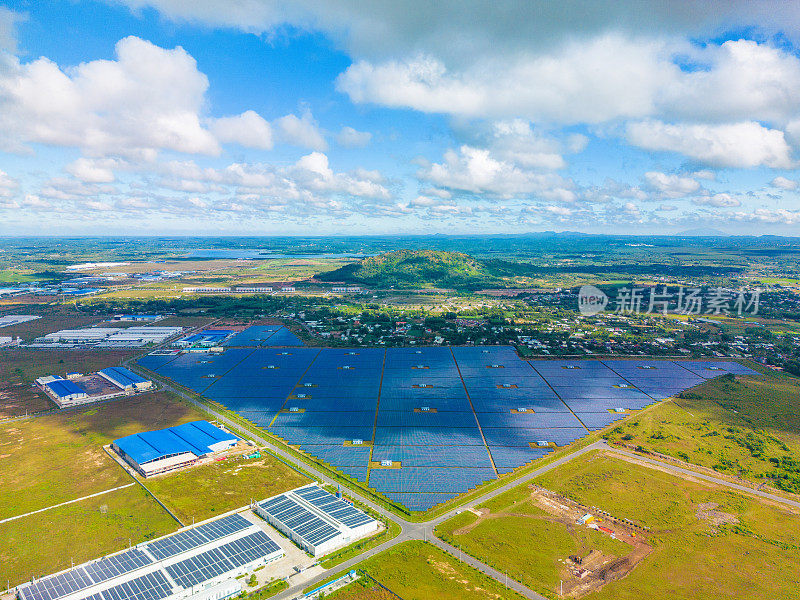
(199, 562)
(316, 520)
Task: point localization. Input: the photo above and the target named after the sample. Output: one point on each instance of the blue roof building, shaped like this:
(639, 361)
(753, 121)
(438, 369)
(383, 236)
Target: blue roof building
(64, 391)
(125, 378)
(159, 451)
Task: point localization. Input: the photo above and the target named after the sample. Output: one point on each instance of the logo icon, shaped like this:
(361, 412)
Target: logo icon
(591, 300)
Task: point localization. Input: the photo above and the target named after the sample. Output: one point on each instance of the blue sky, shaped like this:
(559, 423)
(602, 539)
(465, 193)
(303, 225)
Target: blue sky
(332, 116)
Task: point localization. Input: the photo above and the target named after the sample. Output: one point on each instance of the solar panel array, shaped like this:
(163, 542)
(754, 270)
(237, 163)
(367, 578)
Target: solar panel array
(152, 584)
(299, 519)
(215, 562)
(441, 409)
(86, 576)
(197, 536)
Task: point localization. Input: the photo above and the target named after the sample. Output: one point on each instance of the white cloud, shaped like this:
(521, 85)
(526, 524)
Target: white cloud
(8, 28)
(783, 183)
(91, 170)
(301, 131)
(147, 99)
(351, 138)
(248, 129)
(476, 171)
(740, 145)
(671, 186)
(718, 201)
(580, 82)
(8, 185)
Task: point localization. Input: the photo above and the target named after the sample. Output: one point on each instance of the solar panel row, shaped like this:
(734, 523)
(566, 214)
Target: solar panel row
(424, 414)
(197, 536)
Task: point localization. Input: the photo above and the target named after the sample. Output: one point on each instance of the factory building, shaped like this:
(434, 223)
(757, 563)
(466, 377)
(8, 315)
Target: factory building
(154, 452)
(201, 562)
(64, 391)
(125, 379)
(316, 520)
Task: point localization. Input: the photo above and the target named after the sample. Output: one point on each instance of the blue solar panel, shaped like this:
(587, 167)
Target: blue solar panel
(429, 479)
(196, 536)
(337, 392)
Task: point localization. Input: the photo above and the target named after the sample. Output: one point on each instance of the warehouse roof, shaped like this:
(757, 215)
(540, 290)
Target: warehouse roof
(64, 387)
(199, 438)
(124, 376)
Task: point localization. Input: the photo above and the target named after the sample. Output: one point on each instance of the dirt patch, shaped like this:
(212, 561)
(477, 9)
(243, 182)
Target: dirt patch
(707, 511)
(449, 571)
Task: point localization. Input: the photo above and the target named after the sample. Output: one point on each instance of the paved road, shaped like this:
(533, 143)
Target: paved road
(729, 484)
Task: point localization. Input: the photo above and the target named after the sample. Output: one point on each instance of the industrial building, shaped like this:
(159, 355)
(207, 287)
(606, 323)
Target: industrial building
(8, 320)
(125, 379)
(154, 452)
(138, 318)
(200, 562)
(205, 338)
(316, 520)
(65, 391)
(106, 337)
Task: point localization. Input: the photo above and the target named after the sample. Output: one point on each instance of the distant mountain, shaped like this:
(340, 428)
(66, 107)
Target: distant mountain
(416, 269)
(702, 232)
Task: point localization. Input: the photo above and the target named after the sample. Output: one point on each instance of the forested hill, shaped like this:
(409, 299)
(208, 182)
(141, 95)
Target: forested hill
(416, 269)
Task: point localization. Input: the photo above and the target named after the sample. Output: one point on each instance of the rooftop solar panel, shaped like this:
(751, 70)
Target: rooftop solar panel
(197, 536)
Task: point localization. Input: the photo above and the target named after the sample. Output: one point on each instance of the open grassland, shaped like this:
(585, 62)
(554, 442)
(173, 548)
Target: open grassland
(203, 492)
(519, 537)
(19, 367)
(58, 457)
(709, 543)
(747, 427)
(420, 571)
(47, 542)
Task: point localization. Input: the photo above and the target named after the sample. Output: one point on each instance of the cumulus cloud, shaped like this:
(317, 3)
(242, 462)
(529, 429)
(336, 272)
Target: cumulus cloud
(91, 170)
(351, 138)
(718, 201)
(248, 129)
(671, 186)
(148, 99)
(783, 183)
(476, 171)
(740, 145)
(301, 131)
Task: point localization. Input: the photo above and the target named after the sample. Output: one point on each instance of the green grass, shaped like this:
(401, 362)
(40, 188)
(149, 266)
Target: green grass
(46, 542)
(692, 558)
(213, 489)
(748, 427)
(420, 571)
(269, 590)
(523, 543)
(58, 457)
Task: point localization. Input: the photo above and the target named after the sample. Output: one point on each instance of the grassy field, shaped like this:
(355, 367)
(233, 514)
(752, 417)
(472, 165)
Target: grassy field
(747, 427)
(695, 556)
(46, 542)
(59, 457)
(208, 490)
(420, 571)
(535, 563)
(20, 367)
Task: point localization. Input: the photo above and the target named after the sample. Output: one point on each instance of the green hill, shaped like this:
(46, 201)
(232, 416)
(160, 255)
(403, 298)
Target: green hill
(416, 269)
